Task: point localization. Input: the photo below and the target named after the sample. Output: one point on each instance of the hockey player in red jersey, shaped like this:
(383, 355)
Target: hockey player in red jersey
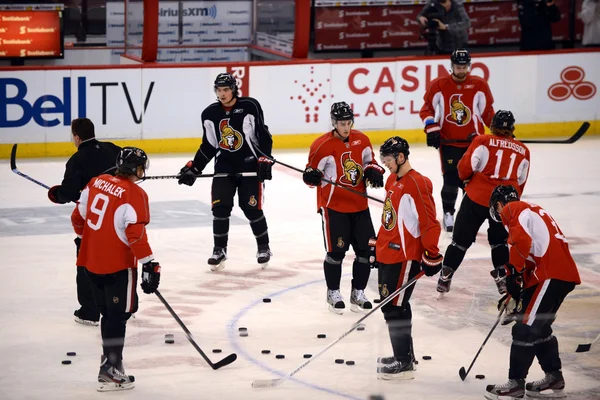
(407, 243)
(455, 107)
(489, 161)
(540, 273)
(344, 156)
(111, 220)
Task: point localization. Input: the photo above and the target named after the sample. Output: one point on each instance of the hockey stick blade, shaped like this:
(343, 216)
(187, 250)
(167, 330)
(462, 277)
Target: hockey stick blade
(226, 361)
(462, 372)
(267, 383)
(13, 167)
(582, 348)
(580, 132)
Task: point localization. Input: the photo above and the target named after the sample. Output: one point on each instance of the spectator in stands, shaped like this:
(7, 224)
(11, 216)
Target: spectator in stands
(590, 15)
(536, 18)
(452, 23)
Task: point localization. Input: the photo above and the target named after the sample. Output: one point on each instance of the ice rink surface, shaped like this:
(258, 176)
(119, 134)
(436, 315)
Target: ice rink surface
(38, 297)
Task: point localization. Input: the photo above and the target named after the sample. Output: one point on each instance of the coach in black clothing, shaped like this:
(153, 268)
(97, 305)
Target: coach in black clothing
(91, 159)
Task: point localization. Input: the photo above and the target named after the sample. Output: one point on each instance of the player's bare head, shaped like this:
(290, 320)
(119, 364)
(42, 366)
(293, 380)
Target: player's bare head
(394, 153)
(460, 62)
(82, 129)
(503, 124)
(226, 88)
(501, 196)
(132, 162)
(342, 118)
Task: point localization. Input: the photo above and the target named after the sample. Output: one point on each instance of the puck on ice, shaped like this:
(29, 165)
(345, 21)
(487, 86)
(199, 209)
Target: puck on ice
(217, 350)
(242, 329)
(377, 301)
(307, 355)
(321, 336)
(266, 300)
(339, 361)
(244, 334)
(361, 328)
(266, 351)
(71, 354)
(426, 357)
(280, 356)
(480, 376)
(66, 362)
(349, 362)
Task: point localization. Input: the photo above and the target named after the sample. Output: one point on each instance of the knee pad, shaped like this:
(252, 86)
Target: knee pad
(500, 254)
(462, 246)
(396, 313)
(362, 257)
(254, 215)
(221, 212)
(334, 258)
(451, 182)
(522, 335)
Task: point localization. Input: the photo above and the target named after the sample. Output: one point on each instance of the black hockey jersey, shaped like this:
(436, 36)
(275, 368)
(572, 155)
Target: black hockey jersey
(233, 135)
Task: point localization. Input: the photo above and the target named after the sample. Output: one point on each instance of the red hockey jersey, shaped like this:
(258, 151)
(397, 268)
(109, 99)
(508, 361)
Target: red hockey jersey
(537, 245)
(461, 108)
(111, 219)
(408, 223)
(342, 162)
(491, 161)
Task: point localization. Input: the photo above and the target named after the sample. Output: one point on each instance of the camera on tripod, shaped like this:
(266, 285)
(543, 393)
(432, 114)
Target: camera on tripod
(434, 11)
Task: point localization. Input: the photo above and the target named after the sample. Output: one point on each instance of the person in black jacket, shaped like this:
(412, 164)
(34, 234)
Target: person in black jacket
(536, 18)
(91, 159)
(235, 135)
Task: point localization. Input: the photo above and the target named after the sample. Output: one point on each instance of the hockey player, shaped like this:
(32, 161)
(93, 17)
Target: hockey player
(111, 219)
(463, 103)
(91, 159)
(541, 260)
(344, 156)
(235, 134)
(407, 243)
(489, 161)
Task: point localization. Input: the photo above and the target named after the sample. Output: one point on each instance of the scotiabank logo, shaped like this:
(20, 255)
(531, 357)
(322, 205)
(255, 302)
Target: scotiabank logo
(572, 83)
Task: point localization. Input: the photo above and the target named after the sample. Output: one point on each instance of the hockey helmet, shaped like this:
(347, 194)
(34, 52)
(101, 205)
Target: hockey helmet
(130, 158)
(394, 146)
(502, 194)
(460, 57)
(225, 79)
(341, 111)
(503, 119)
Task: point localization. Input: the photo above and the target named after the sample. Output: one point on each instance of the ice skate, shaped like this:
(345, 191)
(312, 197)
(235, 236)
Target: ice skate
(218, 258)
(513, 389)
(335, 301)
(448, 222)
(359, 302)
(263, 256)
(499, 275)
(112, 378)
(396, 371)
(83, 321)
(444, 281)
(386, 360)
(551, 386)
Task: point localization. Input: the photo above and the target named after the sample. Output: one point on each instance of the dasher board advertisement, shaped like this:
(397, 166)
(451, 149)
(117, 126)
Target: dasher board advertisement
(31, 34)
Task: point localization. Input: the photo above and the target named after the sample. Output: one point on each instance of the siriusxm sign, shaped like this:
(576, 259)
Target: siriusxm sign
(190, 12)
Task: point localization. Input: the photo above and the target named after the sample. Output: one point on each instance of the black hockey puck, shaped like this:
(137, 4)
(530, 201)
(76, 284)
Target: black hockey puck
(266, 300)
(217, 350)
(349, 362)
(377, 301)
(66, 362)
(480, 376)
(307, 355)
(243, 334)
(321, 336)
(242, 329)
(426, 357)
(361, 328)
(339, 361)
(169, 341)
(266, 351)
(280, 356)
(71, 354)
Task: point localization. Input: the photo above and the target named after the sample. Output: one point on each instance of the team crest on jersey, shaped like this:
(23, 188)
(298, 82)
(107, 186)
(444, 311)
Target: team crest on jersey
(459, 113)
(252, 202)
(231, 139)
(353, 172)
(340, 243)
(389, 217)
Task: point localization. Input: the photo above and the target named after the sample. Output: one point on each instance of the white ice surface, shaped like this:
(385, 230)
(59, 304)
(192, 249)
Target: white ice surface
(37, 289)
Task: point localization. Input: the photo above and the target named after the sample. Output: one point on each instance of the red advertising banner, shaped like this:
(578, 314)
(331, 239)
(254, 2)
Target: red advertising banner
(32, 33)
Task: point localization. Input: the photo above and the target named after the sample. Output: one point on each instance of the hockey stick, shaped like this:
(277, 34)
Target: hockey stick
(226, 361)
(203, 176)
(13, 167)
(269, 383)
(580, 132)
(361, 194)
(462, 373)
(586, 347)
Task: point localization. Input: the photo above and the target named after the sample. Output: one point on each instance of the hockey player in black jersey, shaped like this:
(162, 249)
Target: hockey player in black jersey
(236, 136)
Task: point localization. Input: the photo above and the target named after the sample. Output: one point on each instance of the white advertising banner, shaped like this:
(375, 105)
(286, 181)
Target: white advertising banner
(217, 22)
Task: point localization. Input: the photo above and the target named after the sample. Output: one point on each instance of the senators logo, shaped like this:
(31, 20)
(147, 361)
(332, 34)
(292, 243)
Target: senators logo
(353, 172)
(459, 113)
(231, 140)
(389, 217)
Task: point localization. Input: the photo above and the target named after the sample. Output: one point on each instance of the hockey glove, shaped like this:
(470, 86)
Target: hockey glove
(264, 169)
(374, 175)
(511, 309)
(431, 263)
(78, 245)
(373, 253)
(312, 177)
(53, 195)
(514, 281)
(187, 175)
(432, 129)
(150, 277)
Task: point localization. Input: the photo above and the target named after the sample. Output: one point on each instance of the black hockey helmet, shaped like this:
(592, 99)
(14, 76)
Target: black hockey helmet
(460, 57)
(394, 146)
(225, 79)
(503, 119)
(130, 158)
(502, 194)
(341, 111)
